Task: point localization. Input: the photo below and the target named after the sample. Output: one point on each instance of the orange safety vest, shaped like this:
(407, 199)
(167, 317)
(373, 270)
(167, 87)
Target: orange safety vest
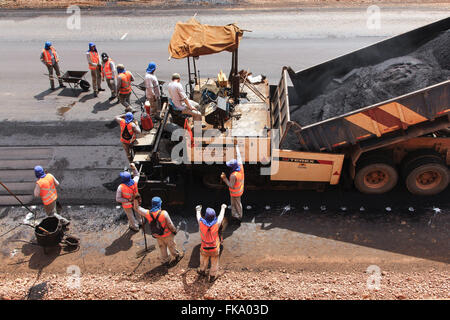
(94, 59)
(107, 72)
(211, 244)
(129, 127)
(238, 189)
(48, 190)
(125, 86)
(48, 56)
(128, 193)
(150, 216)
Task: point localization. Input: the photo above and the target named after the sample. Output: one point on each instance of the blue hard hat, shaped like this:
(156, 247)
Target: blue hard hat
(156, 204)
(91, 44)
(39, 172)
(210, 214)
(126, 178)
(48, 44)
(151, 67)
(128, 117)
(233, 165)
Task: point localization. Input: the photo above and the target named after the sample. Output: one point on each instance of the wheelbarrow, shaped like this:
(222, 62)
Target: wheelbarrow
(75, 80)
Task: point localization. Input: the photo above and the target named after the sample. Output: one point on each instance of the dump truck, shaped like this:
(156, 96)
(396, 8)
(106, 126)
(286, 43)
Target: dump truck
(402, 138)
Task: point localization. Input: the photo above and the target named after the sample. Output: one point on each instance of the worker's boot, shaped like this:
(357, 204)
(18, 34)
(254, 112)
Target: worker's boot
(101, 89)
(52, 85)
(95, 94)
(212, 278)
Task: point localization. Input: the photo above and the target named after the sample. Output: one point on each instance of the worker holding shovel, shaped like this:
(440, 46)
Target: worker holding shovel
(46, 190)
(162, 228)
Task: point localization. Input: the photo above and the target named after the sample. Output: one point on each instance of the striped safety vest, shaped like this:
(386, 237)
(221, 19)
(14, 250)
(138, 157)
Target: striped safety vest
(94, 59)
(238, 189)
(107, 72)
(125, 86)
(48, 190)
(129, 127)
(210, 237)
(150, 216)
(48, 56)
(128, 193)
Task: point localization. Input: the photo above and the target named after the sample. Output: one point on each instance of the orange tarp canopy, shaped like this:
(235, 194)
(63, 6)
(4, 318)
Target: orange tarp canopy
(192, 39)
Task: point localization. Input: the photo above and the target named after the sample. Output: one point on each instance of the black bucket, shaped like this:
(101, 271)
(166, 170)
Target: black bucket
(54, 233)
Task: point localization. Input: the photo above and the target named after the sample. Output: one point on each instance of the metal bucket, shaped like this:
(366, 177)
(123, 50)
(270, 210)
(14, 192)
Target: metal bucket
(54, 235)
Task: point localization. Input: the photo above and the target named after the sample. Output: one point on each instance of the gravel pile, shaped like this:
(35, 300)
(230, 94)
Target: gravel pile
(361, 87)
(231, 285)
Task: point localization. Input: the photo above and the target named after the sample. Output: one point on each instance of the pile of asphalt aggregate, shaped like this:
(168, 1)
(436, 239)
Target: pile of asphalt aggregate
(365, 86)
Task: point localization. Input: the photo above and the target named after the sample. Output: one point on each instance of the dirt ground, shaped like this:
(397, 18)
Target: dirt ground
(277, 253)
(165, 4)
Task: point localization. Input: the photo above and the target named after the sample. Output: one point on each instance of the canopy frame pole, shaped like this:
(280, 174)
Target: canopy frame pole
(234, 78)
(191, 93)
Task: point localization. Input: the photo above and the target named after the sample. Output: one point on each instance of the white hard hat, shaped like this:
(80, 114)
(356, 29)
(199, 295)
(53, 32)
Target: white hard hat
(147, 103)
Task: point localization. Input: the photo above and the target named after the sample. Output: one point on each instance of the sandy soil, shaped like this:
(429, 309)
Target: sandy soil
(212, 3)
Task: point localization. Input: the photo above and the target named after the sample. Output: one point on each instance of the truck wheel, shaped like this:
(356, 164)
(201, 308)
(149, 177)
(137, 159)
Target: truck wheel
(426, 176)
(416, 155)
(375, 176)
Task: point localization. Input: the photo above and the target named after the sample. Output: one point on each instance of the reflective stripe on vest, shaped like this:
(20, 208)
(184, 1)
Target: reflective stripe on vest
(129, 127)
(238, 189)
(214, 245)
(125, 85)
(48, 56)
(48, 190)
(162, 220)
(107, 72)
(128, 193)
(94, 59)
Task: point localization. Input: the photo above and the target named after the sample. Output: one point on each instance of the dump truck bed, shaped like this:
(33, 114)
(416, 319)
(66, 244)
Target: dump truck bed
(386, 118)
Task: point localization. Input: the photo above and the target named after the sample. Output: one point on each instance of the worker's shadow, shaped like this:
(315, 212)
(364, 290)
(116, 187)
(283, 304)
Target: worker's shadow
(228, 227)
(198, 287)
(87, 97)
(155, 274)
(103, 106)
(123, 243)
(43, 94)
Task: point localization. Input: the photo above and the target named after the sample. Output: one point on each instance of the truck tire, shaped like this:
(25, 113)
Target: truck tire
(426, 176)
(415, 155)
(375, 175)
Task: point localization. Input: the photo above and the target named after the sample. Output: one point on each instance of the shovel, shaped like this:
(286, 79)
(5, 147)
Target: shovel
(10, 192)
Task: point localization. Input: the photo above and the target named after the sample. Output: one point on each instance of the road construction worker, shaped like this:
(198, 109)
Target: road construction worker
(125, 194)
(152, 91)
(124, 80)
(129, 128)
(166, 239)
(95, 66)
(50, 59)
(235, 185)
(179, 101)
(109, 72)
(46, 189)
(210, 240)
